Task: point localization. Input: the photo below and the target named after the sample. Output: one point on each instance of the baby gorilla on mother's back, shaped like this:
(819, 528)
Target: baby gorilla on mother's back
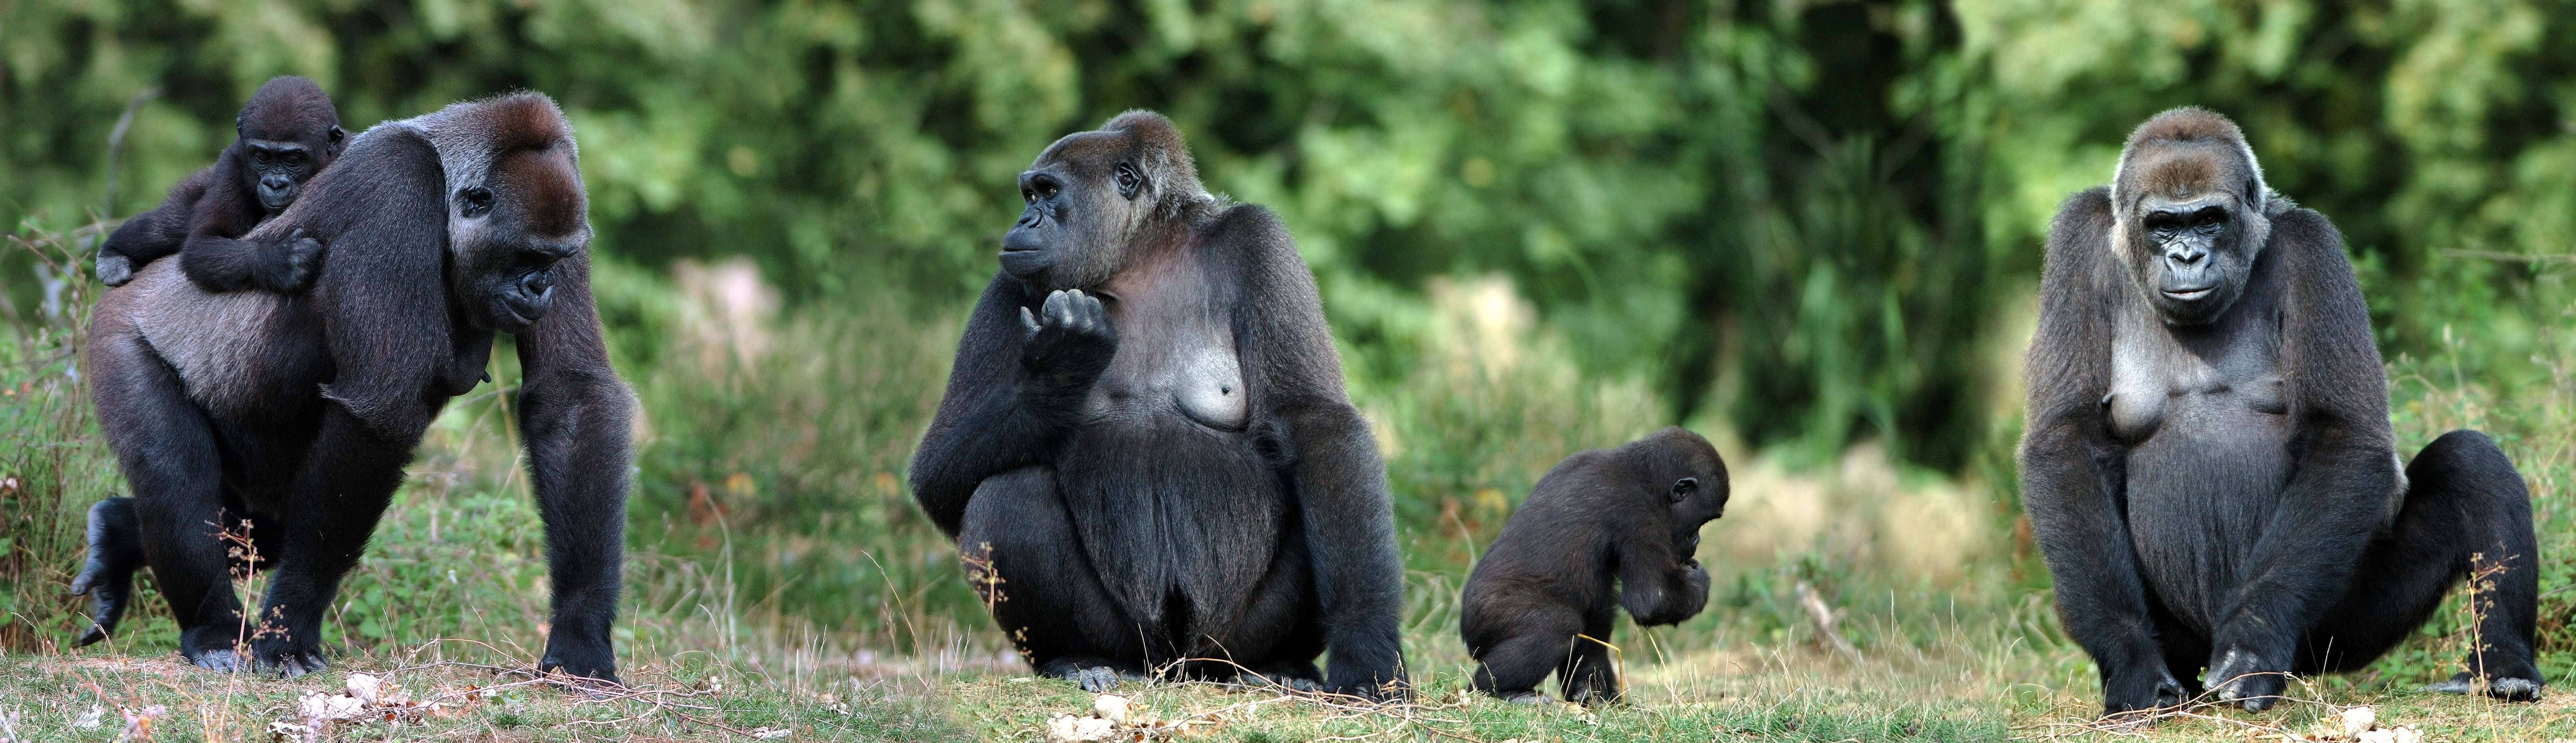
(1541, 599)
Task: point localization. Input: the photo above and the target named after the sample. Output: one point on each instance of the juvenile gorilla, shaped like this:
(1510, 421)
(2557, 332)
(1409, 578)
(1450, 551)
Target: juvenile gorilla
(1541, 598)
(284, 135)
(1145, 452)
(2209, 466)
(298, 414)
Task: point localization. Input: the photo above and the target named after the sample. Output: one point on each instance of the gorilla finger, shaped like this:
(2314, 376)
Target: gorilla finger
(1028, 323)
(1059, 309)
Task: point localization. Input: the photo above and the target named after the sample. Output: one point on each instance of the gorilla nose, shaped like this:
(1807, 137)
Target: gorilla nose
(2186, 257)
(276, 182)
(536, 283)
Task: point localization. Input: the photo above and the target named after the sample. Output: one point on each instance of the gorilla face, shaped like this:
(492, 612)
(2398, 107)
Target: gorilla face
(2192, 255)
(1086, 197)
(280, 153)
(506, 235)
(2192, 226)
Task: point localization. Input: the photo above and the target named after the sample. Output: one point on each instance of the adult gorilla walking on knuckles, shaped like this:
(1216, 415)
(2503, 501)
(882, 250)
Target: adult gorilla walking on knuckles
(2209, 466)
(1145, 452)
(296, 414)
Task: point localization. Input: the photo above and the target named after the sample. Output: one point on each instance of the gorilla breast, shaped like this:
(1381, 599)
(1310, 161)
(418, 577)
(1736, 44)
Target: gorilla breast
(1176, 353)
(2203, 411)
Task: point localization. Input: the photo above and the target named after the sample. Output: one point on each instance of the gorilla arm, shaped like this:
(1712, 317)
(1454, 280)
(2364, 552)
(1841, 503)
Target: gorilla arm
(1656, 585)
(152, 235)
(2071, 476)
(577, 422)
(1331, 460)
(998, 414)
(2344, 476)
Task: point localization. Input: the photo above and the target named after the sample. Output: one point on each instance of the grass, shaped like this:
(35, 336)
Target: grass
(780, 578)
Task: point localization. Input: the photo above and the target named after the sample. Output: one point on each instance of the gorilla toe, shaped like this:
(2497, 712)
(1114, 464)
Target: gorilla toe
(2508, 688)
(219, 661)
(1093, 674)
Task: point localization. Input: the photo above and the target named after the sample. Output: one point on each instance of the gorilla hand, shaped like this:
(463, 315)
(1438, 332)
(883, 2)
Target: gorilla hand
(1067, 350)
(2242, 676)
(293, 271)
(113, 269)
(2140, 686)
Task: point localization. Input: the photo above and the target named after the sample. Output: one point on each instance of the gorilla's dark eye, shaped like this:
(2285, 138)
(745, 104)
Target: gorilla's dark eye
(2209, 216)
(477, 200)
(1685, 486)
(1128, 180)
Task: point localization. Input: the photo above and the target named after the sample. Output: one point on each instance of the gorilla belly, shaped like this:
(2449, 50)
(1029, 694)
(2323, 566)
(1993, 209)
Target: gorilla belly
(2200, 492)
(1180, 520)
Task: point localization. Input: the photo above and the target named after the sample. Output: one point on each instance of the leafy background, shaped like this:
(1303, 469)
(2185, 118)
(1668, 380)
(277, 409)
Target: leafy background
(1810, 228)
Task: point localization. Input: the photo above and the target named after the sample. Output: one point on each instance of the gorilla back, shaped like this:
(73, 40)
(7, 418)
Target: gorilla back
(294, 416)
(1145, 451)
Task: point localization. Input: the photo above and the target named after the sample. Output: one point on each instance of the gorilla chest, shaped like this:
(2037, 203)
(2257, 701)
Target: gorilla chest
(2204, 415)
(1176, 361)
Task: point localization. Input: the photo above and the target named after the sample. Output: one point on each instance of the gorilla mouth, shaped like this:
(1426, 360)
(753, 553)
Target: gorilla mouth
(509, 319)
(2189, 294)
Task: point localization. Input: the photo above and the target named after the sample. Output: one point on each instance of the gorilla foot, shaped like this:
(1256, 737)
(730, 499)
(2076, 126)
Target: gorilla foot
(114, 270)
(1524, 696)
(1301, 678)
(219, 661)
(2508, 688)
(108, 577)
(1093, 674)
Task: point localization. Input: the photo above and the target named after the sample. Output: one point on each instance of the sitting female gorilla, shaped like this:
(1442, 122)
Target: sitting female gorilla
(1145, 452)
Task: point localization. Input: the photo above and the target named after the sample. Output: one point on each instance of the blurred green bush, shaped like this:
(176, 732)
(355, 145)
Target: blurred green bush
(1800, 216)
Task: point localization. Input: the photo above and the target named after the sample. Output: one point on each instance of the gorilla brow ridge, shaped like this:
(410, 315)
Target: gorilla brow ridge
(2184, 127)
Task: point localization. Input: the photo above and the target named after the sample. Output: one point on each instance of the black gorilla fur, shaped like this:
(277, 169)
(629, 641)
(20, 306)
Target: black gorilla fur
(286, 133)
(1541, 600)
(1145, 451)
(2209, 466)
(298, 414)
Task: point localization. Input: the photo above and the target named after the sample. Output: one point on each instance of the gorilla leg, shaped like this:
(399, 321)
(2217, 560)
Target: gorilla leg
(115, 553)
(167, 450)
(1588, 676)
(2464, 501)
(1280, 634)
(348, 479)
(1040, 584)
(1541, 640)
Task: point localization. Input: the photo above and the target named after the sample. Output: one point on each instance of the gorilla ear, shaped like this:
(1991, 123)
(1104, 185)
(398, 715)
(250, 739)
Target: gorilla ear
(1130, 182)
(336, 135)
(1682, 488)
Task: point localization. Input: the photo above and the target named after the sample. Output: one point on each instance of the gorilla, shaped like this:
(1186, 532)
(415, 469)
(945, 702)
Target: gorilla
(284, 135)
(297, 414)
(2208, 465)
(1145, 452)
(1541, 600)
